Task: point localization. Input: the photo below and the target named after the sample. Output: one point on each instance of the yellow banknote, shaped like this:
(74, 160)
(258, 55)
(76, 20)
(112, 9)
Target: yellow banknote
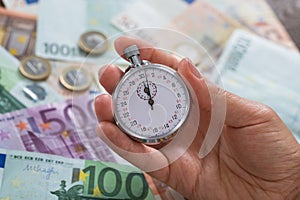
(258, 16)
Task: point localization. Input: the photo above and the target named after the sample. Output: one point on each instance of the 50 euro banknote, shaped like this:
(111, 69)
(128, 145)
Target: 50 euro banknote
(198, 31)
(259, 17)
(23, 6)
(17, 33)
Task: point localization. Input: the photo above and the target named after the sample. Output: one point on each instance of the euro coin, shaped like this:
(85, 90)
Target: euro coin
(93, 42)
(75, 78)
(35, 92)
(35, 68)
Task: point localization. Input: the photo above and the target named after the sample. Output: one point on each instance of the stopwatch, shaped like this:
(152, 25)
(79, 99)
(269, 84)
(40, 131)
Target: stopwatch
(151, 101)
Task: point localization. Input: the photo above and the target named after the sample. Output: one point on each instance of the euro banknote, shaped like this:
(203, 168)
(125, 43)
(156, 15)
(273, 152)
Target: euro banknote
(28, 92)
(258, 69)
(22, 6)
(66, 129)
(72, 19)
(289, 14)
(8, 103)
(197, 30)
(258, 16)
(17, 36)
(208, 28)
(17, 33)
(148, 13)
(36, 176)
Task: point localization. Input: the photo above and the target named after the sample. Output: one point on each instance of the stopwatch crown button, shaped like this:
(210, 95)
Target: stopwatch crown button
(131, 51)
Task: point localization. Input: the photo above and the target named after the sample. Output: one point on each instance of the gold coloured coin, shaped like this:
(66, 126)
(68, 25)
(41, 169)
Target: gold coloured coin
(35, 68)
(75, 78)
(93, 42)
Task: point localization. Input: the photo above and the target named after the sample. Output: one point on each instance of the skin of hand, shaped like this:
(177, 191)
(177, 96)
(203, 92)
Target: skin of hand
(256, 156)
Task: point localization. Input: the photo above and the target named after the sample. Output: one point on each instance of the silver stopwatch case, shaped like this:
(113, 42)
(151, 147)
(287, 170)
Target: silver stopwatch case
(151, 101)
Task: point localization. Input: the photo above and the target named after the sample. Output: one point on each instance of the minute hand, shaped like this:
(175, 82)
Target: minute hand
(148, 92)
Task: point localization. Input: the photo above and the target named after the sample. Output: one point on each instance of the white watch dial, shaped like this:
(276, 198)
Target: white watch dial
(151, 103)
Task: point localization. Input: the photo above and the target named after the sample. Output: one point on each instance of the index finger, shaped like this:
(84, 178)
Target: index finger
(147, 51)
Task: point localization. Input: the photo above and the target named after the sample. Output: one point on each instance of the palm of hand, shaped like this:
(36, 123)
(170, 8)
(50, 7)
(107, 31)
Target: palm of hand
(256, 156)
(245, 164)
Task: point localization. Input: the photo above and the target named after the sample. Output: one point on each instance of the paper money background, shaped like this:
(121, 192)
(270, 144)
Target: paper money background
(251, 49)
(288, 14)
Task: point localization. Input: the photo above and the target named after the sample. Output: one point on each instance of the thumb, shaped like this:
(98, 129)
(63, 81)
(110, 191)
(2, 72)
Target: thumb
(218, 107)
(212, 106)
(239, 111)
(200, 98)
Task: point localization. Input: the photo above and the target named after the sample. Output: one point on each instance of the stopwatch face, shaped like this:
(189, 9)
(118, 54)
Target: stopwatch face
(151, 103)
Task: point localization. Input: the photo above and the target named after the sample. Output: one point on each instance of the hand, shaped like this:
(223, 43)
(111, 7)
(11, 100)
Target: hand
(256, 156)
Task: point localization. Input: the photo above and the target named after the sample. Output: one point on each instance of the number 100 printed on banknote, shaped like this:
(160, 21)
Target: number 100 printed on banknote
(27, 175)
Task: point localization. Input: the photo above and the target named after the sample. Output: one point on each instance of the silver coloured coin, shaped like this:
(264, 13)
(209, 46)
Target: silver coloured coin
(35, 68)
(75, 78)
(93, 42)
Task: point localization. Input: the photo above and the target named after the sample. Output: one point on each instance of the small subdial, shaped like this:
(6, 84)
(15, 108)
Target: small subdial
(146, 90)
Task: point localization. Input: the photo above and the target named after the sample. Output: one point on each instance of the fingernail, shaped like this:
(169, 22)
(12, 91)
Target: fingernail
(192, 68)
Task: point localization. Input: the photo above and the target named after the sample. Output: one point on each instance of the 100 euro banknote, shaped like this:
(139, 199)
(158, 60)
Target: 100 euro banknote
(258, 69)
(72, 19)
(35, 176)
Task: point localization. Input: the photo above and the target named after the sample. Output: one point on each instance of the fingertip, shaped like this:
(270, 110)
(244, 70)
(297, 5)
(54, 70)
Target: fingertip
(109, 76)
(124, 41)
(118, 140)
(186, 66)
(101, 71)
(147, 51)
(196, 84)
(104, 132)
(103, 108)
(118, 45)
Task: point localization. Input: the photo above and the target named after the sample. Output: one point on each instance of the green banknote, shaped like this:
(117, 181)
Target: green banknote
(27, 175)
(8, 103)
(28, 92)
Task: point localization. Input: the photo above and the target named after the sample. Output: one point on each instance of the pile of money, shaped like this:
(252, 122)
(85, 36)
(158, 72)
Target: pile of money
(50, 55)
